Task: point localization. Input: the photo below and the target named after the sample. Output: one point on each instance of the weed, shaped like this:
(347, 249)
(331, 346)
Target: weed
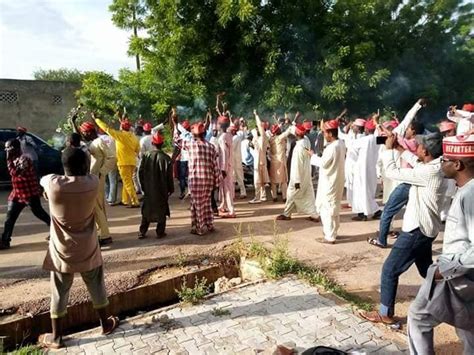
(278, 263)
(28, 350)
(193, 295)
(180, 259)
(220, 312)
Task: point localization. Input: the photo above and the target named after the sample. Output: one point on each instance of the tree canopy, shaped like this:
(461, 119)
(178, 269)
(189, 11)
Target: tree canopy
(310, 55)
(62, 74)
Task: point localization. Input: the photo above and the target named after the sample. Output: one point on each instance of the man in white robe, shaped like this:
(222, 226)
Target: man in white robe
(238, 137)
(350, 137)
(226, 165)
(260, 171)
(331, 181)
(365, 175)
(464, 118)
(300, 194)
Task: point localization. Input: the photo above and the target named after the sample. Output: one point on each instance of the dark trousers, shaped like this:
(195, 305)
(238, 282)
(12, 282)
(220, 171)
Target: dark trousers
(13, 211)
(397, 199)
(183, 175)
(160, 227)
(410, 248)
(214, 201)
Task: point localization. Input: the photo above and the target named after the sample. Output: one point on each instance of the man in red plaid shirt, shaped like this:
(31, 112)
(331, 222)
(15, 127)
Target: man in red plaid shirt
(26, 190)
(204, 176)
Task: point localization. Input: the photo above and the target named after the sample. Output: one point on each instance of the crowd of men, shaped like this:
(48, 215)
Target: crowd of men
(428, 174)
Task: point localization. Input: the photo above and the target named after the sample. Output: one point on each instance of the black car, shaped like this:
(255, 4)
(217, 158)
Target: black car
(49, 158)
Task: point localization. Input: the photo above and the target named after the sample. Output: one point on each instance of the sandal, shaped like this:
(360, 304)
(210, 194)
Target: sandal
(393, 235)
(47, 341)
(314, 219)
(375, 242)
(115, 324)
(282, 217)
(375, 317)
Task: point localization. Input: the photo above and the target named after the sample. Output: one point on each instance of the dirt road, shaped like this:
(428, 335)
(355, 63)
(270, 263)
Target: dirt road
(352, 262)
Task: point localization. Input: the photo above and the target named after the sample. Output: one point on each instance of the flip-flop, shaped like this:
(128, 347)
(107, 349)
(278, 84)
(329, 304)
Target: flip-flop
(283, 218)
(313, 219)
(47, 341)
(375, 242)
(375, 317)
(115, 324)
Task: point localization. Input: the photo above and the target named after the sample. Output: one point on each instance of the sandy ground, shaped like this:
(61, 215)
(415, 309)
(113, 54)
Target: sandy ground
(352, 262)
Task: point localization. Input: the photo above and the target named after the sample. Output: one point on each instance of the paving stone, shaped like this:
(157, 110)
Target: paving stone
(263, 315)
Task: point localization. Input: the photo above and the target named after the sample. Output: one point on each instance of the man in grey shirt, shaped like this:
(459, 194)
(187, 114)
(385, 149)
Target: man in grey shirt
(456, 263)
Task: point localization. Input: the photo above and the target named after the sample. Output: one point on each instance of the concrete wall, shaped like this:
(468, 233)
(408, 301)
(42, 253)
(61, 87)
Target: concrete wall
(35, 104)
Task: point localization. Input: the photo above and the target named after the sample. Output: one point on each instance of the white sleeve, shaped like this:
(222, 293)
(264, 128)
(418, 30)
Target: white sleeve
(402, 127)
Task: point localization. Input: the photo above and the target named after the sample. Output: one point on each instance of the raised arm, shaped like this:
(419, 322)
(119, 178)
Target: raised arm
(106, 128)
(258, 121)
(402, 127)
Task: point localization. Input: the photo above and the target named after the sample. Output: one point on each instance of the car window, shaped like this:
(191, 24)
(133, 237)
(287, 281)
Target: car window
(5, 136)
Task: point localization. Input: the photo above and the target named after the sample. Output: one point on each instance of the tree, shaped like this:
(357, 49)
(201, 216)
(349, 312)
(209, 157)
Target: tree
(129, 14)
(100, 93)
(62, 74)
(302, 54)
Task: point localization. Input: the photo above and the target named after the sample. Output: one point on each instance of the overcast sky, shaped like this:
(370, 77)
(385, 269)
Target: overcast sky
(52, 34)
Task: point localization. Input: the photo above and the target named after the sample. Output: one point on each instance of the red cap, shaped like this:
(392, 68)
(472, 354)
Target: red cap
(87, 127)
(459, 146)
(468, 107)
(446, 126)
(308, 125)
(198, 128)
(370, 125)
(300, 130)
(140, 122)
(233, 127)
(125, 125)
(157, 139)
(392, 123)
(223, 119)
(186, 124)
(275, 129)
(147, 127)
(265, 125)
(21, 129)
(332, 124)
(360, 122)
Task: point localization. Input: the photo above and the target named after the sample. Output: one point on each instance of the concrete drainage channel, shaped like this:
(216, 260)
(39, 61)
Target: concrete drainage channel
(142, 298)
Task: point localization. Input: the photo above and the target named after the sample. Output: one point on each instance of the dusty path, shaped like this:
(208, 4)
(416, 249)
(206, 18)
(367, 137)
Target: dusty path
(351, 261)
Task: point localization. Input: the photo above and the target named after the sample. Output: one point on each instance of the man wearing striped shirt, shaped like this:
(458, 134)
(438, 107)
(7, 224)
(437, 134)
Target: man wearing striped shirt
(421, 222)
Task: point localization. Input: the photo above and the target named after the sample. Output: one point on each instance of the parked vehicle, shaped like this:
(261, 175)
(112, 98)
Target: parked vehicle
(49, 159)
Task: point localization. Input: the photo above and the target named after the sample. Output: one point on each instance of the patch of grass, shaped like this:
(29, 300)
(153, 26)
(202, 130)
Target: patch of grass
(195, 294)
(28, 350)
(278, 263)
(220, 312)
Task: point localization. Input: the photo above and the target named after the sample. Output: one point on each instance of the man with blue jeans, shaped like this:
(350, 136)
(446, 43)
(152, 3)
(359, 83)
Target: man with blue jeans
(407, 132)
(397, 200)
(421, 222)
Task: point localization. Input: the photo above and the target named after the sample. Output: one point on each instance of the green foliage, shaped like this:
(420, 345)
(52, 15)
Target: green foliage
(28, 350)
(62, 74)
(297, 54)
(193, 295)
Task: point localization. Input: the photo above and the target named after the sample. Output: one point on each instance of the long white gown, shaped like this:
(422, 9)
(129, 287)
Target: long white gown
(351, 160)
(365, 176)
(331, 187)
(300, 200)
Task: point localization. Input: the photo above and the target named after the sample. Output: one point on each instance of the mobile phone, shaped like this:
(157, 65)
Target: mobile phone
(380, 139)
